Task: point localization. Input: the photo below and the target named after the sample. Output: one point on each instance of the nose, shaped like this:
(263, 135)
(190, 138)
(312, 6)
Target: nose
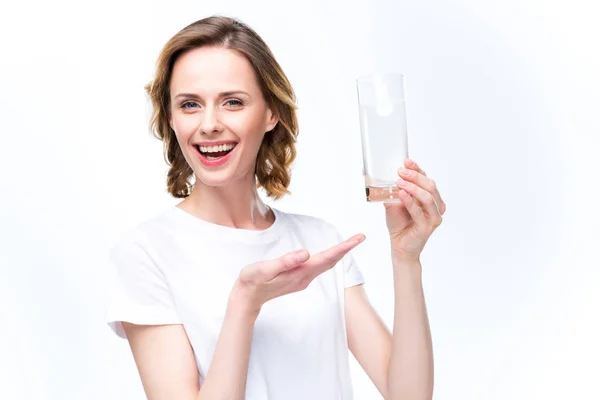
(210, 121)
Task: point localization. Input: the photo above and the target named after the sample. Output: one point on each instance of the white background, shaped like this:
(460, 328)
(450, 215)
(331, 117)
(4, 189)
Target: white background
(502, 100)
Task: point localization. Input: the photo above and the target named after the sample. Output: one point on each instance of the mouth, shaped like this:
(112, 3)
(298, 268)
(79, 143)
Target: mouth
(215, 155)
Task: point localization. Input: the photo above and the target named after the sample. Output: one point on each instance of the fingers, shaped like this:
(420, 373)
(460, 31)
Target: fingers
(270, 269)
(413, 165)
(413, 207)
(310, 266)
(338, 251)
(421, 206)
(328, 258)
(424, 197)
(415, 174)
(418, 178)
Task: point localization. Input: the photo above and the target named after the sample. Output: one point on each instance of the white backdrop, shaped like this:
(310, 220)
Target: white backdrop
(502, 101)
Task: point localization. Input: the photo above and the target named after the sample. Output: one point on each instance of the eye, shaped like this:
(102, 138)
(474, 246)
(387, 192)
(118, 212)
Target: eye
(232, 102)
(186, 103)
(239, 103)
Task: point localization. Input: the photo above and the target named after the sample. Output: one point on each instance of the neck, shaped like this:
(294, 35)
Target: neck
(236, 205)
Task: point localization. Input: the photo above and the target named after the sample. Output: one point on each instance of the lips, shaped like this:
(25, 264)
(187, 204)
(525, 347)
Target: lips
(214, 158)
(213, 154)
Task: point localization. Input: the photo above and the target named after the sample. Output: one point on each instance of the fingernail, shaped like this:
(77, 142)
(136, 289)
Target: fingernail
(400, 182)
(301, 256)
(403, 171)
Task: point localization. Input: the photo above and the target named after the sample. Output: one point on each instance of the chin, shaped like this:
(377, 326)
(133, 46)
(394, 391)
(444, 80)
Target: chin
(215, 179)
(221, 173)
(220, 178)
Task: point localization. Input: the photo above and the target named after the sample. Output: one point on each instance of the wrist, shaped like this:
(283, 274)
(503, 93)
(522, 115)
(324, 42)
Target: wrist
(240, 303)
(405, 262)
(405, 258)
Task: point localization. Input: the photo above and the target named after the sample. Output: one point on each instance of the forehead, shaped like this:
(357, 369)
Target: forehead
(209, 70)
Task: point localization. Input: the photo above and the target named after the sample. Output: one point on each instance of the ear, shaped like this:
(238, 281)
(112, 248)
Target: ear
(272, 120)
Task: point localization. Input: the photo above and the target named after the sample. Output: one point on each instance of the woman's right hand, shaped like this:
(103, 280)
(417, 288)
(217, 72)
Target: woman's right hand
(292, 272)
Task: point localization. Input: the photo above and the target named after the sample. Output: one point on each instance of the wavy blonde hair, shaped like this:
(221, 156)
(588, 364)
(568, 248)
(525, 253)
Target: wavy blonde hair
(278, 149)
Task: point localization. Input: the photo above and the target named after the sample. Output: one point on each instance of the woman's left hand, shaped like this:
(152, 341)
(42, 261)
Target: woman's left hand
(412, 221)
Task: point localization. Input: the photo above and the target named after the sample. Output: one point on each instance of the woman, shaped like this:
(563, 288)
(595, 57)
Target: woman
(223, 297)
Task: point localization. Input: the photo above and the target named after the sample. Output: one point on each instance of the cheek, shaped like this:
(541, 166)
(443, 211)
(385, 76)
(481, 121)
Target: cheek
(249, 130)
(184, 126)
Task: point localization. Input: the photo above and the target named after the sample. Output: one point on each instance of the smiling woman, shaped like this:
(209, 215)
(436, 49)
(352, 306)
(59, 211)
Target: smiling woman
(226, 114)
(239, 117)
(223, 297)
(194, 65)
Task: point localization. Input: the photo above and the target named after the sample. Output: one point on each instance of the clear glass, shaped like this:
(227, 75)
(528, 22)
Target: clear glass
(383, 129)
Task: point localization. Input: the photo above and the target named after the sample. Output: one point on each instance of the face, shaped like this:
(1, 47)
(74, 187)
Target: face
(218, 114)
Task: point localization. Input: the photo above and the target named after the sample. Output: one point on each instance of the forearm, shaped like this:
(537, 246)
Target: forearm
(410, 374)
(226, 376)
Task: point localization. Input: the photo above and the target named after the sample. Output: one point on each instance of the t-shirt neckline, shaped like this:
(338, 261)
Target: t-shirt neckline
(269, 234)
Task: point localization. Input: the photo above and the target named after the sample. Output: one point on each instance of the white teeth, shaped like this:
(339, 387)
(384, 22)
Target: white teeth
(214, 149)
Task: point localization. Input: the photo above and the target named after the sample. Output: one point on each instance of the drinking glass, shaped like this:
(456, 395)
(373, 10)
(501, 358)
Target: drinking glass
(384, 136)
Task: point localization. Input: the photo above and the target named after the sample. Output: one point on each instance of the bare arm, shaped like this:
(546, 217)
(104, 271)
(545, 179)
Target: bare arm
(400, 365)
(165, 359)
(369, 339)
(226, 377)
(410, 375)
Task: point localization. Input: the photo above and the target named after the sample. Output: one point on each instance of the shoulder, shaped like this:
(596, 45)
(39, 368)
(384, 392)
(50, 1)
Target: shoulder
(139, 234)
(135, 239)
(309, 223)
(128, 248)
(133, 258)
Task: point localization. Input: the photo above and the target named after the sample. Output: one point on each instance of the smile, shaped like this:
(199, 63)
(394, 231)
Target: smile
(217, 155)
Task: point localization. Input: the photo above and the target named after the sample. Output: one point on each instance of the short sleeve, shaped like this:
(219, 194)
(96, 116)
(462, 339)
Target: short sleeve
(352, 274)
(137, 290)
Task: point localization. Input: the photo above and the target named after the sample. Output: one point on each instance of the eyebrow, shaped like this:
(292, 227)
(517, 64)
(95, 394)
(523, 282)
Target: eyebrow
(222, 94)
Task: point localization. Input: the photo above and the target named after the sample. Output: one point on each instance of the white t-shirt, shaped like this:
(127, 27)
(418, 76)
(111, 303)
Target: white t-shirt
(178, 269)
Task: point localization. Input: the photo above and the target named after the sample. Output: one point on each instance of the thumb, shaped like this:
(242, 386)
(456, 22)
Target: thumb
(285, 263)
